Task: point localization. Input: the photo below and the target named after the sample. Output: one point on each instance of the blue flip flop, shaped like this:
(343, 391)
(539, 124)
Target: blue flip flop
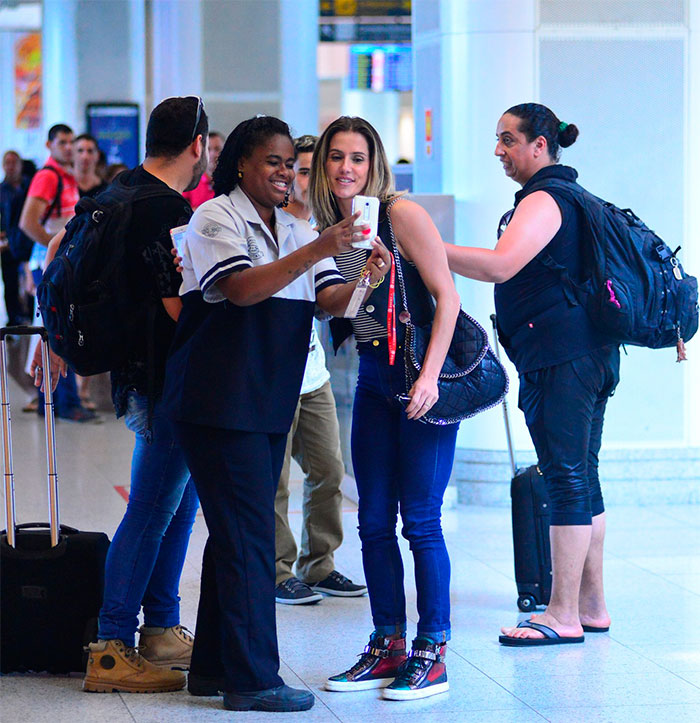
(594, 629)
(551, 637)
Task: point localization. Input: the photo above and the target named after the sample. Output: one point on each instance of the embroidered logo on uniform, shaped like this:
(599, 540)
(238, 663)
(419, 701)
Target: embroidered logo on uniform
(211, 230)
(253, 250)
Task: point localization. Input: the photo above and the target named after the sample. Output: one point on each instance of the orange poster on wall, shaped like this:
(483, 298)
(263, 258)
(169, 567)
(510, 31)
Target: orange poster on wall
(28, 81)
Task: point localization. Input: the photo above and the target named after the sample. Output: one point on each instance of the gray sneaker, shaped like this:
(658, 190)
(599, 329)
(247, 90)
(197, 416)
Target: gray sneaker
(337, 584)
(294, 592)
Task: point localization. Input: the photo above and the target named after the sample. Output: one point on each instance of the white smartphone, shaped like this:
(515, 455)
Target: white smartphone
(369, 215)
(177, 234)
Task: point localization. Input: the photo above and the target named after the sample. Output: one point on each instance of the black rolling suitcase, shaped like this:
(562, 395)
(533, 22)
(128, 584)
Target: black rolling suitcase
(531, 515)
(51, 576)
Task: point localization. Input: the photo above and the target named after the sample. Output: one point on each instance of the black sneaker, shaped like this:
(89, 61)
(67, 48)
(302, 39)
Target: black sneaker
(337, 584)
(205, 685)
(295, 592)
(282, 699)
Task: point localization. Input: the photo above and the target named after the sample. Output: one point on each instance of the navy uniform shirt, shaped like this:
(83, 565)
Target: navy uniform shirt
(241, 367)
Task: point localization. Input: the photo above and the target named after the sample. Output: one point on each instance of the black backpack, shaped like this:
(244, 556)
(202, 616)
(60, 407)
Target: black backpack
(635, 288)
(84, 296)
(20, 244)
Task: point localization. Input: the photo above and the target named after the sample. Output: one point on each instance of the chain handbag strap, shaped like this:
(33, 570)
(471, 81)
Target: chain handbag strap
(409, 323)
(397, 259)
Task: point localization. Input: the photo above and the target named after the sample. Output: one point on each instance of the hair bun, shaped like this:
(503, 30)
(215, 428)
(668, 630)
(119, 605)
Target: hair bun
(568, 136)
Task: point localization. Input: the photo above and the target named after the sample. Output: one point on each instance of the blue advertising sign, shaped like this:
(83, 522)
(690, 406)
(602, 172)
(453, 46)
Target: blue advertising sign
(116, 128)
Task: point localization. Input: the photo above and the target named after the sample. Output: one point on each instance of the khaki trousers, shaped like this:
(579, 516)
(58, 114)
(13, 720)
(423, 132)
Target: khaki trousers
(314, 443)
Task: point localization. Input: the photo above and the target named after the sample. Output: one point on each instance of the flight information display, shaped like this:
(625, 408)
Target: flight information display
(381, 67)
(346, 8)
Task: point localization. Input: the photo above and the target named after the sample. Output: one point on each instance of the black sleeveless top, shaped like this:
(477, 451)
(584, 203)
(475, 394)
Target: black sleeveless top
(420, 302)
(538, 326)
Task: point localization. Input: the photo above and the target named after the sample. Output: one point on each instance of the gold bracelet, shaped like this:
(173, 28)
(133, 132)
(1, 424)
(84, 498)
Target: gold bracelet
(366, 272)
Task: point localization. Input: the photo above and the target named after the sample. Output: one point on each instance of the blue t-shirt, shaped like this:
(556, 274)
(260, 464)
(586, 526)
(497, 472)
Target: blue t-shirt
(538, 326)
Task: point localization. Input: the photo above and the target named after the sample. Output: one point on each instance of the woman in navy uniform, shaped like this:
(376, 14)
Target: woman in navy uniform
(251, 276)
(399, 462)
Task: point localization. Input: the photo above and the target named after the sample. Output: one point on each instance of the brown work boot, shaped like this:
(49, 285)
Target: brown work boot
(114, 667)
(167, 647)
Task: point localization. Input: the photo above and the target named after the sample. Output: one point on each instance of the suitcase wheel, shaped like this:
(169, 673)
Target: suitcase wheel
(526, 603)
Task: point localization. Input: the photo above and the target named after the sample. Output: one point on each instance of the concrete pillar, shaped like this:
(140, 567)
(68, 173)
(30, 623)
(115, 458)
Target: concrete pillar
(176, 41)
(381, 110)
(299, 79)
(471, 62)
(243, 57)
(59, 41)
(260, 58)
(80, 68)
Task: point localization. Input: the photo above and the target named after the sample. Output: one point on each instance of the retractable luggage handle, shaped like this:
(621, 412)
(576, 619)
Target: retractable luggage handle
(506, 418)
(52, 477)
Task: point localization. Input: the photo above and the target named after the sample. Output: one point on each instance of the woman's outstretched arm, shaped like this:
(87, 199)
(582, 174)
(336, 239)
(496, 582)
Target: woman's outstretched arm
(535, 222)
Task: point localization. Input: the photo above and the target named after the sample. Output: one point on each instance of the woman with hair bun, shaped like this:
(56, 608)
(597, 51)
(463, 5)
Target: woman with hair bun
(567, 367)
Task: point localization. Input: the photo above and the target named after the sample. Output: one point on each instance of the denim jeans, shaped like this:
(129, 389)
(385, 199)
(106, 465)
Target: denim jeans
(564, 407)
(145, 559)
(400, 465)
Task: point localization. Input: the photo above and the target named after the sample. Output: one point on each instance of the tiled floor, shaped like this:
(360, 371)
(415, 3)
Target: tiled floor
(647, 669)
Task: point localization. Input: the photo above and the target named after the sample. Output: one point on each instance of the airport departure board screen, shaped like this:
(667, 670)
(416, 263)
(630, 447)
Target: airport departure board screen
(380, 68)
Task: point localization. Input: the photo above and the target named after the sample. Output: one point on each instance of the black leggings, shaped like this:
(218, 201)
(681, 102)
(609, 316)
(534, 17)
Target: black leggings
(564, 406)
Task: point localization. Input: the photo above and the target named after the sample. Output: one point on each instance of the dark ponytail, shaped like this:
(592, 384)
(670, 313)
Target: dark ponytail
(537, 120)
(243, 139)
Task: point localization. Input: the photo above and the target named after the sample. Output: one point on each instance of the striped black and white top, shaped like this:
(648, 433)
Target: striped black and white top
(364, 327)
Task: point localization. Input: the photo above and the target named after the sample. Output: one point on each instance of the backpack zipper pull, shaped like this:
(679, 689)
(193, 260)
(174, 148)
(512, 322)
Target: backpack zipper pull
(71, 309)
(680, 346)
(676, 271)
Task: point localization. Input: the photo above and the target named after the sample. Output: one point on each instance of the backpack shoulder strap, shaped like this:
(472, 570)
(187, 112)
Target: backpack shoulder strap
(56, 204)
(571, 189)
(143, 193)
(576, 193)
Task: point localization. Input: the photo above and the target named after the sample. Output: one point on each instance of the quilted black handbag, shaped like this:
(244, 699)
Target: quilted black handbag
(472, 378)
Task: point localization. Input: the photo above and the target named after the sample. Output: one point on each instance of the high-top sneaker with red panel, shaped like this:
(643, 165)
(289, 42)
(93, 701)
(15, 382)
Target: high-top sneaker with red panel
(376, 668)
(422, 675)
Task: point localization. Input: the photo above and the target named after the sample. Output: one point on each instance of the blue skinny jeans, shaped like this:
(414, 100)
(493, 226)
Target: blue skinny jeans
(400, 465)
(147, 554)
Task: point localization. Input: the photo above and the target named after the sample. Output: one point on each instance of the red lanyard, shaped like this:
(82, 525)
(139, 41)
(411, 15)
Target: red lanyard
(391, 317)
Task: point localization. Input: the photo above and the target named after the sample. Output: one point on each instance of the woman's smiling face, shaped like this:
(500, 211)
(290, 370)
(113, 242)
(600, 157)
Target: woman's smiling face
(269, 171)
(347, 164)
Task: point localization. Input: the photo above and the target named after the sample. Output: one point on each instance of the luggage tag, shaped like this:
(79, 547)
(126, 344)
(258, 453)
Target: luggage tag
(358, 296)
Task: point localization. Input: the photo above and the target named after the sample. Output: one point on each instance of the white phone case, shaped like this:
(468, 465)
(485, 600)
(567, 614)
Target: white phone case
(369, 207)
(177, 234)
